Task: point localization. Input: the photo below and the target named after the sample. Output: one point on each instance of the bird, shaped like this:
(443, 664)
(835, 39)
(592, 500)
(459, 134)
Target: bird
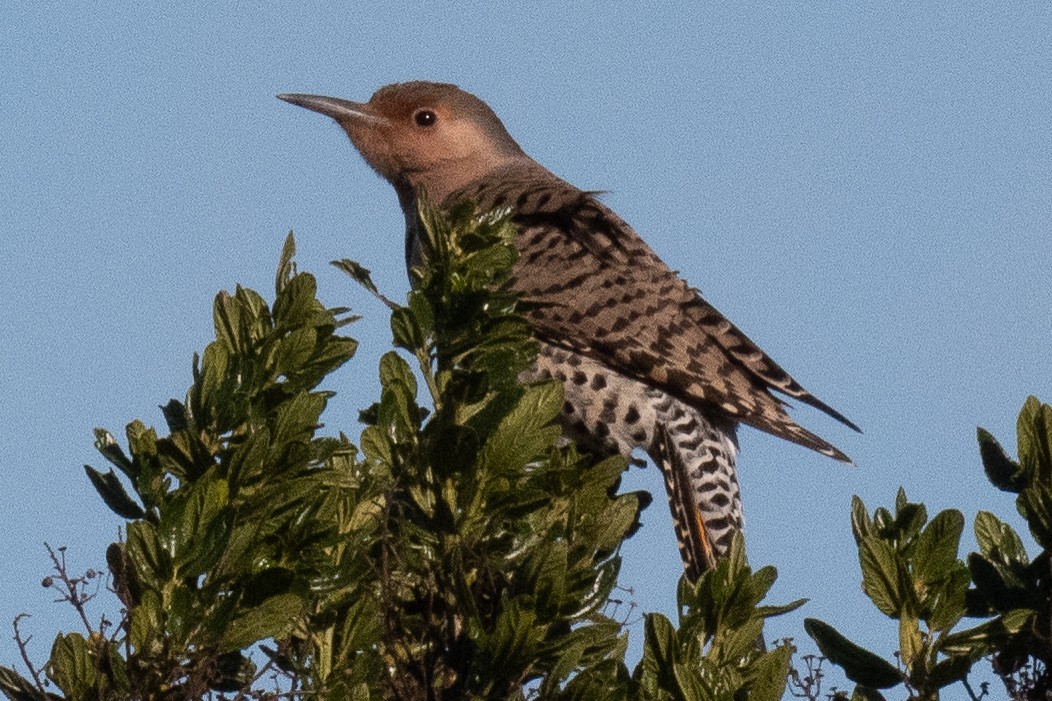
(646, 363)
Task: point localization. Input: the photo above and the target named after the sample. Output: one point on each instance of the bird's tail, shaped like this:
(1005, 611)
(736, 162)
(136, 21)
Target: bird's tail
(697, 458)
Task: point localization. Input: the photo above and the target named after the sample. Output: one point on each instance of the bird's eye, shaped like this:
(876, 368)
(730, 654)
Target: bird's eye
(425, 118)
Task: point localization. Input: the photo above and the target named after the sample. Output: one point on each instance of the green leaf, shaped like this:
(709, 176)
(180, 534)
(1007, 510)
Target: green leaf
(108, 447)
(605, 681)
(987, 637)
(1035, 457)
(1035, 503)
(689, 685)
(998, 541)
(152, 563)
(947, 600)
(526, 431)
(550, 575)
(885, 578)
(297, 419)
(910, 644)
(762, 580)
(115, 669)
(242, 318)
(294, 351)
(182, 613)
(376, 445)
(1003, 472)
(616, 520)
(362, 276)
(735, 643)
(883, 523)
(213, 391)
(934, 551)
(901, 502)
(1017, 620)
(358, 272)
(1034, 427)
(861, 525)
(271, 619)
(991, 584)
(949, 671)
(396, 373)
(293, 308)
(860, 665)
(203, 530)
(18, 688)
(286, 264)
(112, 492)
(176, 416)
(909, 519)
(769, 674)
(423, 312)
(515, 639)
(406, 332)
(772, 611)
(654, 671)
(72, 666)
(147, 624)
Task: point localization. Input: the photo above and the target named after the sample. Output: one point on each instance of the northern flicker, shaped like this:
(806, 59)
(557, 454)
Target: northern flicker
(645, 361)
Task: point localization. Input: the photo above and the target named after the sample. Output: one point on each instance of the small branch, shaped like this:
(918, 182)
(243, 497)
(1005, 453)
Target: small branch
(74, 593)
(616, 605)
(971, 692)
(808, 686)
(23, 649)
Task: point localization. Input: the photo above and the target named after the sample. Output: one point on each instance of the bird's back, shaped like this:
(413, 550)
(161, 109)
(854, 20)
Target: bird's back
(595, 287)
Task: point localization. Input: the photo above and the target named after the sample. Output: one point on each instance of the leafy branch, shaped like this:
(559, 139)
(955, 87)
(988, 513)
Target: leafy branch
(912, 574)
(458, 550)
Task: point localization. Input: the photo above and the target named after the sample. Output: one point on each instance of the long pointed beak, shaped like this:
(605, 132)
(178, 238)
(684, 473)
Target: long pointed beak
(335, 107)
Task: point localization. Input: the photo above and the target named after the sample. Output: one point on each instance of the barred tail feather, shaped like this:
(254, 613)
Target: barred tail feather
(697, 459)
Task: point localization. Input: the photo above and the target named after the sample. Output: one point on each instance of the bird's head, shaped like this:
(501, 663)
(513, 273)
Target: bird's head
(422, 135)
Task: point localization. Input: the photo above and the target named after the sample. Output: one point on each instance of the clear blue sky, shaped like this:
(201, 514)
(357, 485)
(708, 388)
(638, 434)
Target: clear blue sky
(864, 188)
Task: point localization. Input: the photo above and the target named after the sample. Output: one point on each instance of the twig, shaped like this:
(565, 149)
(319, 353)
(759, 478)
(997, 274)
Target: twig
(23, 649)
(809, 686)
(73, 593)
(971, 692)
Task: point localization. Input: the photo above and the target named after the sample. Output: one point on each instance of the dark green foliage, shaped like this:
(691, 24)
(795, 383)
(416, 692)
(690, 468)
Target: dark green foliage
(234, 512)
(715, 654)
(1008, 582)
(462, 552)
(497, 550)
(860, 665)
(911, 572)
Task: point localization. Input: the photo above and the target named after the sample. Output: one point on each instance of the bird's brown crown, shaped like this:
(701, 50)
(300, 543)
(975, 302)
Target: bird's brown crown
(422, 135)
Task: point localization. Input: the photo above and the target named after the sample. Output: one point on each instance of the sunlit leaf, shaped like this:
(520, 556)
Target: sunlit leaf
(72, 666)
(885, 579)
(935, 549)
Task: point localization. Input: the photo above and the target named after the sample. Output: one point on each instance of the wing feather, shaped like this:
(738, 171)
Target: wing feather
(595, 287)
